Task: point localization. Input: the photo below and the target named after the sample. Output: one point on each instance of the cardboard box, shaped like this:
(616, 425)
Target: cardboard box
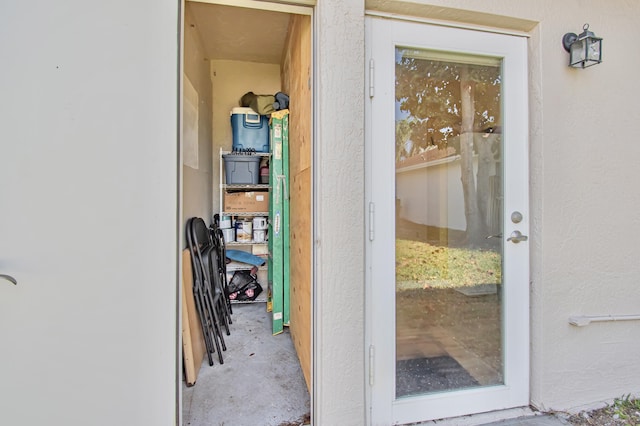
(260, 249)
(248, 201)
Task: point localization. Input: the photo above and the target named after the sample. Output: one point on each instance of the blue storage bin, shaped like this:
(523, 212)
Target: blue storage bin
(250, 130)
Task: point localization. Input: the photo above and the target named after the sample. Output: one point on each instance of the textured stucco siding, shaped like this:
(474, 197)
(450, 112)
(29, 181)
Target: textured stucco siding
(339, 177)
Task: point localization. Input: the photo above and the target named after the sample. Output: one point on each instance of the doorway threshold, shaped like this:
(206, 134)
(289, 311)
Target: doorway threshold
(260, 382)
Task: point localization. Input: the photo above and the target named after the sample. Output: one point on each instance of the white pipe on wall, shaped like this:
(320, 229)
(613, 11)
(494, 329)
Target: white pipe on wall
(580, 321)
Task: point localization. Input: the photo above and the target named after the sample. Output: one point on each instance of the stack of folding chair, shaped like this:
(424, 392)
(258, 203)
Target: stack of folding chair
(218, 242)
(212, 305)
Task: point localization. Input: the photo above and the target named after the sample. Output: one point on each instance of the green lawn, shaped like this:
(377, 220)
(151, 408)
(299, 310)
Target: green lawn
(423, 265)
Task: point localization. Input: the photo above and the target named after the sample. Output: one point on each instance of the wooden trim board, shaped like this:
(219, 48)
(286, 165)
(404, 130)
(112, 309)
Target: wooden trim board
(193, 346)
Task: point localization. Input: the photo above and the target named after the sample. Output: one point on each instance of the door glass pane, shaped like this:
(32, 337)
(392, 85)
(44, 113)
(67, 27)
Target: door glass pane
(449, 190)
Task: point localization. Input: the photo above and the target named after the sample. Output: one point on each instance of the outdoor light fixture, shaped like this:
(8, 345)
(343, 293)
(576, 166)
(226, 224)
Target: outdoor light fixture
(584, 49)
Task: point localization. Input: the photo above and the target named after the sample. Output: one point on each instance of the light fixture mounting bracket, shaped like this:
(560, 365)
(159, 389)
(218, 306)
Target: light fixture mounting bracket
(568, 39)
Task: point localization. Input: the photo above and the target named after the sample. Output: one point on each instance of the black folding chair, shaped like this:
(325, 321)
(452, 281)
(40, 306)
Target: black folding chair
(208, 293)
(218, 242)
(199, 298)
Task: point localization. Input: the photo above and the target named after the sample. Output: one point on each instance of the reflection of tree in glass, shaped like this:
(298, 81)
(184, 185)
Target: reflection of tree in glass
(444, 104)
(430, 91)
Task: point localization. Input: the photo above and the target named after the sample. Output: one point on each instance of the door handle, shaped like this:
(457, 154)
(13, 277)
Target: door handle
(9, 278)
(516, 237)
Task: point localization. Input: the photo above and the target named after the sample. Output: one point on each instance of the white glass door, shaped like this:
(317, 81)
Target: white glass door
(447, 186)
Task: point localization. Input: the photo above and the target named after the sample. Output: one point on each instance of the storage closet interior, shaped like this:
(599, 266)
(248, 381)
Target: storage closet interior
(229, 51)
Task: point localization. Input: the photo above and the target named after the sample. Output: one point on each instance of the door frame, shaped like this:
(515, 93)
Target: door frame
(381, 408)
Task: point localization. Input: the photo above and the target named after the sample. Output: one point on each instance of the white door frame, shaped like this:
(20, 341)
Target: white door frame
(382, 36)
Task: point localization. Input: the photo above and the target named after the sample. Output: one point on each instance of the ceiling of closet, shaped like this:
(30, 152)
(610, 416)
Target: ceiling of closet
(240, 34)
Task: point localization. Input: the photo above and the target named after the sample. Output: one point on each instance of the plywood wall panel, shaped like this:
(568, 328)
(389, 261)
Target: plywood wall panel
(296, 82)
(193, 345)
(300, 320)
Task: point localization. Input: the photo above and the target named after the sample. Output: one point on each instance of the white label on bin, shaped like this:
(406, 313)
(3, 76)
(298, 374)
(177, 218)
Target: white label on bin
(259, 197)
(278, 151)
(252, 118)
(277, 131)
(277, 315)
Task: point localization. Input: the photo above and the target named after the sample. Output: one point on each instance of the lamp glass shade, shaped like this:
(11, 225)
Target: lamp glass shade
(594, 50)
(585, 51)
(577, 54)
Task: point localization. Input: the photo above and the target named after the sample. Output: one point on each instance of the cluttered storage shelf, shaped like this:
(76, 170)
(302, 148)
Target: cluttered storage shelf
(254, 205)
(244, 200)
(244, 211)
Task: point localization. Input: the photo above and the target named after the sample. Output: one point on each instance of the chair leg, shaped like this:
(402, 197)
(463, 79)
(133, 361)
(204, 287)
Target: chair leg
(222, 259)
(204, 323)
(222, 304)
(215, 329)
(227, 302)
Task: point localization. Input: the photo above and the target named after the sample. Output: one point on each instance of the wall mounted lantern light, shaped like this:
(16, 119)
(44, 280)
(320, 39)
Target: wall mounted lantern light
(584, 49)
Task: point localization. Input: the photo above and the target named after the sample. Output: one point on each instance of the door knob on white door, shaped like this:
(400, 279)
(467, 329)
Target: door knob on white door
(9, 278)
(516, 237)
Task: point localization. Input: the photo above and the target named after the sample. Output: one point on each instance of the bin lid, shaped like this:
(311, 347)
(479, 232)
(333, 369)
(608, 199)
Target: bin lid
(243, 110)
(241, 157)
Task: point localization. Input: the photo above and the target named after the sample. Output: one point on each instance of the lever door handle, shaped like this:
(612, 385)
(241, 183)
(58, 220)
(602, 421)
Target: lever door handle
(516, 237)
(9, 278)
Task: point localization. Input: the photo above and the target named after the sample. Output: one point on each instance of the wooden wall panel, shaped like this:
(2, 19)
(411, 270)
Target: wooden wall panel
(193, 345)
(301, 331)
(296, 81)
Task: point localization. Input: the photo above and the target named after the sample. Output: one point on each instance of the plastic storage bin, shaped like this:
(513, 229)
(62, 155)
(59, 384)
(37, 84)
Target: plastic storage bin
(241, 169)
(250, 130)
(264, 174)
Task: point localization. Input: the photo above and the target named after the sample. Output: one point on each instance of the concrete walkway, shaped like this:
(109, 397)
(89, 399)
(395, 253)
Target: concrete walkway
(260, 383)
(523, 416)
(535, 420)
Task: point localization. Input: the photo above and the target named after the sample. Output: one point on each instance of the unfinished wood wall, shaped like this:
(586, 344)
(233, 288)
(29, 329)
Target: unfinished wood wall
(296, 79)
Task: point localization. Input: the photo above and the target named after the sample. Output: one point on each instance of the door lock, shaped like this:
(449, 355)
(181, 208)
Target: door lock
(516, 237)
(516, 217)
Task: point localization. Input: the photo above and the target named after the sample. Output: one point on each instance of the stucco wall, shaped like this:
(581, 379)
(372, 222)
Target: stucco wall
(583, 204)
(196, 183)
(585, 224)
(339, 200)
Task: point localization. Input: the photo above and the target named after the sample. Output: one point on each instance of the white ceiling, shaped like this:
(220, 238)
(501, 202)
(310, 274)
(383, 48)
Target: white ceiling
(238, 33)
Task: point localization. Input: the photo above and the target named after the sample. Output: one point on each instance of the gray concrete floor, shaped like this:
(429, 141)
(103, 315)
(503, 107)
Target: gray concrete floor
(260, 382)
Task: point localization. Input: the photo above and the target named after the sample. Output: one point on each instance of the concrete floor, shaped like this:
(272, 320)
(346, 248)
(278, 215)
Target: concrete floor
(260, 382)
